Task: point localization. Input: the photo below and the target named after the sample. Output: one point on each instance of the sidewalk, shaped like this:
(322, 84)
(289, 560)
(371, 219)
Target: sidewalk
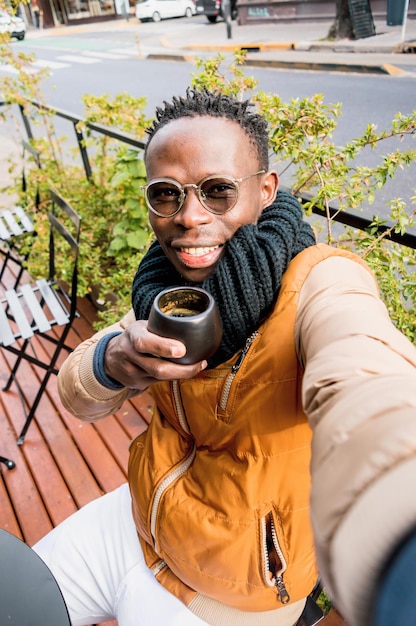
(299, 36)
(299, 44)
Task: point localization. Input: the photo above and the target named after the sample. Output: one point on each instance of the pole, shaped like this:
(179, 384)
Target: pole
(406, 8)
(226, 10)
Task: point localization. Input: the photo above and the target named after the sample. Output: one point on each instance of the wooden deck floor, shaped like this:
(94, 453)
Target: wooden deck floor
(64, 463)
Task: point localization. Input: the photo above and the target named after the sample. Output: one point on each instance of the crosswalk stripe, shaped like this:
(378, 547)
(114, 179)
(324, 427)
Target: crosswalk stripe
(9, 68)
(12, 70)
(101, 55)
(53, 65)
(65, 60)
(133, 51)
(77, 59)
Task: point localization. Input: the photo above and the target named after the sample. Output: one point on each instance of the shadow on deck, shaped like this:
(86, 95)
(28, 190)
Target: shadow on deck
(63, 463)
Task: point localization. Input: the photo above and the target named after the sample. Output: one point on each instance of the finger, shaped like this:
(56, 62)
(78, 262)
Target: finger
(163, 347)
(147, 370)
(159, 369)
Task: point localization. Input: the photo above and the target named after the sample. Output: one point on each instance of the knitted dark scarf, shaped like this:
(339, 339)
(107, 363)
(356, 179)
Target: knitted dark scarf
(247, 279)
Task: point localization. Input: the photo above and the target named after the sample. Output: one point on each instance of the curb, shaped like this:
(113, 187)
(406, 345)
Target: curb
(250, 47)
(264, 47)
(406, 47)
(154, 56)
(385, 68)
(392, 70)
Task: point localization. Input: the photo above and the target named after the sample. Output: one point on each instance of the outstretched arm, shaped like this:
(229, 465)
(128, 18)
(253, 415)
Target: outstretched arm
(359, 392)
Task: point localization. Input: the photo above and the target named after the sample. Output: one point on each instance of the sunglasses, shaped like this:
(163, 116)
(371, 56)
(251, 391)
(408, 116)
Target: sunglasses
(217, 194)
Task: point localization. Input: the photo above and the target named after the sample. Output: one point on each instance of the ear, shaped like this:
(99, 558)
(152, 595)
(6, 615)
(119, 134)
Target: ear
(270, 185)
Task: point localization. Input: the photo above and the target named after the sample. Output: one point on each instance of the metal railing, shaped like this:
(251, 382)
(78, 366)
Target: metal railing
(77, 122)
(343, 217)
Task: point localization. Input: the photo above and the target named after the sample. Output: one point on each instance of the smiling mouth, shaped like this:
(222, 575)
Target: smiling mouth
(199, 251)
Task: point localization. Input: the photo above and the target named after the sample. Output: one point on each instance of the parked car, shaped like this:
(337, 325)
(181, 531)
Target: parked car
(157, 10)
(214, 8)
(13, 25)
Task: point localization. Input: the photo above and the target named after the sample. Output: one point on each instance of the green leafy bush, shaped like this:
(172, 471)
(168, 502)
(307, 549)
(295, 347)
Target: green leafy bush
(115, 229)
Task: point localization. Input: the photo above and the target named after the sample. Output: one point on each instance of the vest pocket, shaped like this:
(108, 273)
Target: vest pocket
(274, 562)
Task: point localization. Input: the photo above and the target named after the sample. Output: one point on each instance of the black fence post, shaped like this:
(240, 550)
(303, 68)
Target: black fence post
(83, 151)
(26, 122)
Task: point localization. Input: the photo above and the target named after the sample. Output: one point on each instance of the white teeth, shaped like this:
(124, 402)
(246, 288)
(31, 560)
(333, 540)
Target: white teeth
(199, 251)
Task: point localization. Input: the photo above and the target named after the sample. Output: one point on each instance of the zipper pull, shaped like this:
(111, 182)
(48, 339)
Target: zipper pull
(281, 590)
(243, 353)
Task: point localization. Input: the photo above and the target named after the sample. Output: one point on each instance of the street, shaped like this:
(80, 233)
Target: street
(128, 59)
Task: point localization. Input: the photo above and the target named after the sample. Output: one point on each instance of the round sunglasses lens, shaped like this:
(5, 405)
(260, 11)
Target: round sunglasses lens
(164, 197)
(219, 194)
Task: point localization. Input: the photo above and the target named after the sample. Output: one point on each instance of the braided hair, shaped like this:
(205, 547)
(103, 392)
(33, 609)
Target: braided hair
(206, 103)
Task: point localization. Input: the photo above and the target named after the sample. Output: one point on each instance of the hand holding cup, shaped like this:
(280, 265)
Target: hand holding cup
(189, 314)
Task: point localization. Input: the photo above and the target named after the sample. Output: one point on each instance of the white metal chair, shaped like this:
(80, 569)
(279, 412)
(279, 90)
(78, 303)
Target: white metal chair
(37, 308)
(17, 222)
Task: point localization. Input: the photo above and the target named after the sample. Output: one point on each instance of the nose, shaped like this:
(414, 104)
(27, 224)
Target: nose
(192, 212)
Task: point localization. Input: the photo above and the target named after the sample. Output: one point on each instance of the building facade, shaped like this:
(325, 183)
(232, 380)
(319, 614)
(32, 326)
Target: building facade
(261, 11)
(69, 12)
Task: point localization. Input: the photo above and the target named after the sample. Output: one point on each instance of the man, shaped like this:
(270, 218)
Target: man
(214, 527)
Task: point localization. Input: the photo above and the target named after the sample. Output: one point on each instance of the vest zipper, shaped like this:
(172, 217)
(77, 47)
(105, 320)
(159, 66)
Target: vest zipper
(179, 469)
(270, 544)
(156, 569)
(234, 369)
(178, 406)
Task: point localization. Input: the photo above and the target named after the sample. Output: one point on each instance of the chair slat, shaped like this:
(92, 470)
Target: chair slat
(52, 302)
(40, 318)
(24, 219)
(4, 232)
(6, 334)
(18, 313)
(12, 224)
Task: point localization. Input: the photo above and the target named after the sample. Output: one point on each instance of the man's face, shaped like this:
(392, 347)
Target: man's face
(188, 150)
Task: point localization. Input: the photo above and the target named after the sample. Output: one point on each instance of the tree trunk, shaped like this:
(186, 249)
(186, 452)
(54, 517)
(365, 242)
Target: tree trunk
(342, 27)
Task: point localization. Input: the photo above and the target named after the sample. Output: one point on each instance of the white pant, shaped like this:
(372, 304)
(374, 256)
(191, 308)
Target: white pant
(97, 560)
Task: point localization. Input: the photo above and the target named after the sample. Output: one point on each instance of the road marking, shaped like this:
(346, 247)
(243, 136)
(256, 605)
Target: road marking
(9, 68)
(66, 60)
(133, 51)
(77, 59)
(392, 70)
(53, 65)
(12, 70)
(102, 55)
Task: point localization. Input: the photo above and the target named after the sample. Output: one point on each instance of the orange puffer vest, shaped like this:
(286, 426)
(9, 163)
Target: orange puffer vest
(220, 480)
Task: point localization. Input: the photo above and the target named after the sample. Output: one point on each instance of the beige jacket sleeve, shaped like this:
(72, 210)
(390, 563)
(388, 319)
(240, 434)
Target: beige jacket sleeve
(359, 392)
(79, 390)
